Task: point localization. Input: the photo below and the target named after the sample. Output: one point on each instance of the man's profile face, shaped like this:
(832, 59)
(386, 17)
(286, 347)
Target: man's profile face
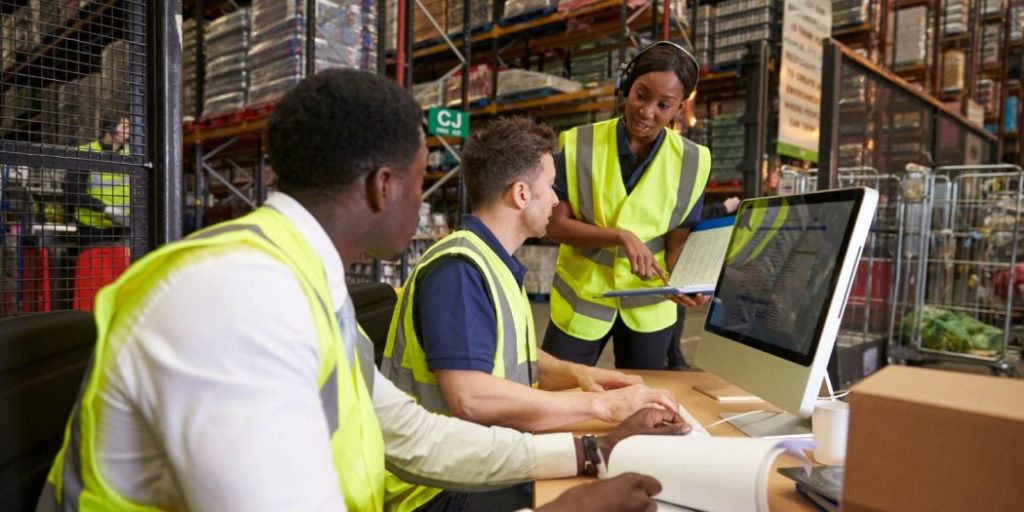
(120, 136)
(405, 210)
(543, 197)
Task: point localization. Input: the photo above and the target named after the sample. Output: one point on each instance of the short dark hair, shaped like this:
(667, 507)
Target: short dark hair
(504, 151)
(109, 122)
(339, 126)
(664, 57)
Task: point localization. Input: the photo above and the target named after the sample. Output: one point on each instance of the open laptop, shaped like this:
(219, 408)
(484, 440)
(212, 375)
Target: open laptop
(699, 263)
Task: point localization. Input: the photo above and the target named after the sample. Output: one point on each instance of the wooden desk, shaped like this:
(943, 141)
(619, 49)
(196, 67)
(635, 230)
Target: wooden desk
(781, 493)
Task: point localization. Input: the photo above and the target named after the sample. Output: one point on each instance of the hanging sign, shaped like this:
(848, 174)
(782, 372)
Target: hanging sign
(805, 24)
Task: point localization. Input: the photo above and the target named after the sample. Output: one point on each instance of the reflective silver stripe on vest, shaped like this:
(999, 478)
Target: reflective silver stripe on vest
(640, 301)
(585, 172)
(329, 400)
(364, 350)
(580, 306)
(688, 180)
(606, 255)
(600, 255)
(429, 395)
(48, 499)
(656, 245)
(329, 390)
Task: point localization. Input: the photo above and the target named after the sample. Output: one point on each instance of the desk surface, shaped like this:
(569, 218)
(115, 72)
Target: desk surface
(781, 493)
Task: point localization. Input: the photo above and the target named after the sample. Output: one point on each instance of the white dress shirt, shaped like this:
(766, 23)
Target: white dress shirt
(212, 402)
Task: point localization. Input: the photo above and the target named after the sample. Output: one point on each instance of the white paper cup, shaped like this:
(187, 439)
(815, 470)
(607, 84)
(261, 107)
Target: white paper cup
(829, 423)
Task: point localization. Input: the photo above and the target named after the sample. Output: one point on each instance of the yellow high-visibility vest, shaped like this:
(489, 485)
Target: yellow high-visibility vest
(405, 363)
(666, 193)
(112, 189)
(76, 482)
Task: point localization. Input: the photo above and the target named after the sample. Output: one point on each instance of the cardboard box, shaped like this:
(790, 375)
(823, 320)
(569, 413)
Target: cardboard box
(934, 440)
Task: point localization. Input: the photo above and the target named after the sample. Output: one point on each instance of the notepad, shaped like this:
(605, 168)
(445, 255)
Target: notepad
(699, 262)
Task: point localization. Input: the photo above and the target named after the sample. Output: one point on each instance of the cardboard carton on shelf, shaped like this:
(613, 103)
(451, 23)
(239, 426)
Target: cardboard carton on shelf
(934, 440)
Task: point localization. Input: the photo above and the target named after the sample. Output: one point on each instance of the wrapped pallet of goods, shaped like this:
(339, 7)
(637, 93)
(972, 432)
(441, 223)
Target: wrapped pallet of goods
(592, 70)
(520, 84)
(189, 78)
(52, 15)
(516, 8)
(227, 69)
(954, 63)
(49, 115)
(346, 37)
(481, 15)
(25, 35)
(909, 33)
(423, 30)
(79, 109)
(479, 85)
(114, 79)
(847, 13)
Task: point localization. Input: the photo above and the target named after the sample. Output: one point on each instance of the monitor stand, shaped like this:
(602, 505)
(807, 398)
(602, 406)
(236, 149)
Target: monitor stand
(770, 424)
(777, 424)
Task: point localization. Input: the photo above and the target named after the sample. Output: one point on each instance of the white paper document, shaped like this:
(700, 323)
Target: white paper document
(699, 262)
(706, 473)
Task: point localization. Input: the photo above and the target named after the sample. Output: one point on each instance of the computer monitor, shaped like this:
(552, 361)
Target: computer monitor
(781, 292)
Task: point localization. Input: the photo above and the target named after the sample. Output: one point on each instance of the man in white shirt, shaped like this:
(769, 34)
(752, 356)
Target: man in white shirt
(217, 384)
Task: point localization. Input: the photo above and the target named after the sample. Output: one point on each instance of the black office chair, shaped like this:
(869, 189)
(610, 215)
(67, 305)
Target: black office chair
(374, 303)
(42, 361)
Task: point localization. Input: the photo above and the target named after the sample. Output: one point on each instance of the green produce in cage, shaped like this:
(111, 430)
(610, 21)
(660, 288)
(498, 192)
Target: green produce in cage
(944, 330)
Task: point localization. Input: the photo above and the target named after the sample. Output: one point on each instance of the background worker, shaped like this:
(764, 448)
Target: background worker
(630, 189)
(462, 338)
(102, 200)
(229, 372)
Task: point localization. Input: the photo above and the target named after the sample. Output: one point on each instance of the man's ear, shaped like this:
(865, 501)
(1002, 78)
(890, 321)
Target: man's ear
(380, 187)
(519, 194)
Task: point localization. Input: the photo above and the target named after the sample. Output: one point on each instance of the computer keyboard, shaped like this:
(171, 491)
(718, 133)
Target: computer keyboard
(697, 427)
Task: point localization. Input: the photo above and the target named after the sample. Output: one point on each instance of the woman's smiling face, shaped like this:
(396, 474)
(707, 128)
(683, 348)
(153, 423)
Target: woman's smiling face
(654, 99)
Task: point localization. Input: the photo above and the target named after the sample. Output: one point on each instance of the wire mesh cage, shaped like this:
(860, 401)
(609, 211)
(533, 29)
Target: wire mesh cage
(73, 149)
(968, 310)
(958, 298)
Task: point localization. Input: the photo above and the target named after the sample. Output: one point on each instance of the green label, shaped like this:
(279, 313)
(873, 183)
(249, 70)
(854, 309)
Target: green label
(448, 122)
(796, 152)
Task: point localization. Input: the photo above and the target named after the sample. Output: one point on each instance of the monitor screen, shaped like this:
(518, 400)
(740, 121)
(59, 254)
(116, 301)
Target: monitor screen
(780, 272)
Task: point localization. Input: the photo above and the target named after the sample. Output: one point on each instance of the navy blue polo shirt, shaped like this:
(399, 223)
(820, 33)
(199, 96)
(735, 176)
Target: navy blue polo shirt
(632, 170)
(452, 310)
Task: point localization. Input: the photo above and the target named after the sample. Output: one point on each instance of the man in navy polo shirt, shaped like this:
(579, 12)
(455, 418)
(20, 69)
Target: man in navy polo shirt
(462, 338)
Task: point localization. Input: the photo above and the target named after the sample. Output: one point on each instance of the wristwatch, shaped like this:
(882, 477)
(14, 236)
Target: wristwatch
(593, 461)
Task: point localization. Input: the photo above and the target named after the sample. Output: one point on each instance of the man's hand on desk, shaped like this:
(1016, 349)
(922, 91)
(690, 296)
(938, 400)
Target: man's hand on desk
(628, 492)
(598, 379)
(651, 422)
(616, 405)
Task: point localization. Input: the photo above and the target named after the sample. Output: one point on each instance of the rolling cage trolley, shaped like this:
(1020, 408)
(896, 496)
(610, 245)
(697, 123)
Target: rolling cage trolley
(958, 293)
(866, 327)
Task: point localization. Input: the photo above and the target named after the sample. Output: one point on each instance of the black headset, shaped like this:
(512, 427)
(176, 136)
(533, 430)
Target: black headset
(624, 78)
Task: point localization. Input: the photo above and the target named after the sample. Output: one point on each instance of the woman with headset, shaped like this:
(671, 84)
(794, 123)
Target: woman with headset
(629, 188)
